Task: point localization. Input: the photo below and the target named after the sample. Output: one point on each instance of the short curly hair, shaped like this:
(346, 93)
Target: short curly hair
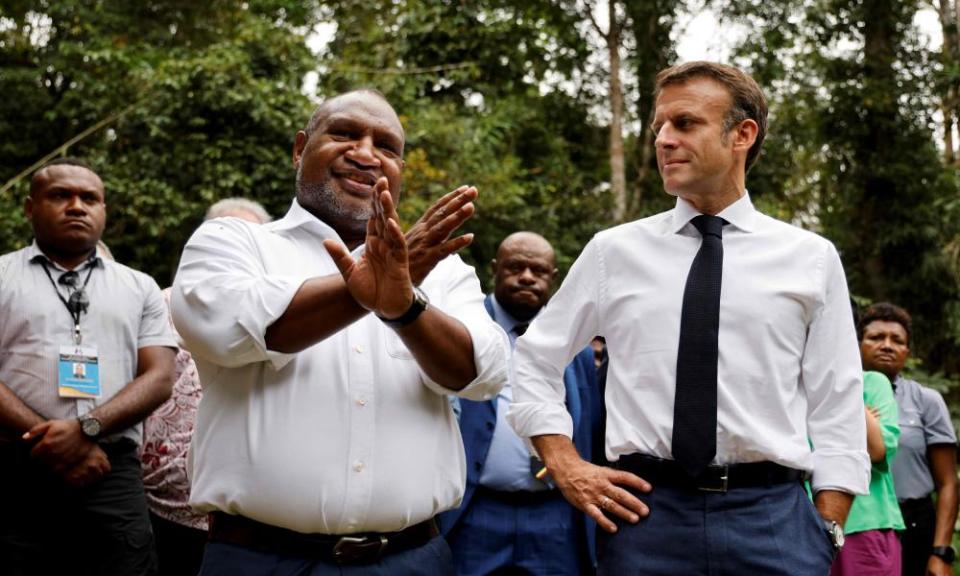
(885, 312)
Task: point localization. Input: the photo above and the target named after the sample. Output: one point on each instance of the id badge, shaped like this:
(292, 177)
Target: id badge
(78, 372)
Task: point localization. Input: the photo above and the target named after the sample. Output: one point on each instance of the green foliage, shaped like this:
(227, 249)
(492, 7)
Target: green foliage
(851, 150)
(473, 85)
(211, 100)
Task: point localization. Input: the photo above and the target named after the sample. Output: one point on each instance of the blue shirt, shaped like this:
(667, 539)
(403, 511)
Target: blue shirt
(507, 467)
(924, 420)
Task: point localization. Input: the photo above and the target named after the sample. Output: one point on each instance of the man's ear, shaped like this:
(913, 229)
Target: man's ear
(746, 135)
(493, 268)
(299, 143)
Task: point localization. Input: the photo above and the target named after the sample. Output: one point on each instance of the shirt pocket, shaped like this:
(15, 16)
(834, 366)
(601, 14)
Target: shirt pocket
(395, 347)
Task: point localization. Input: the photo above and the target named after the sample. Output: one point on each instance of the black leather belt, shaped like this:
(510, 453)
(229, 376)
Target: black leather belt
(360, 548)
(520, 497)
(662, 472)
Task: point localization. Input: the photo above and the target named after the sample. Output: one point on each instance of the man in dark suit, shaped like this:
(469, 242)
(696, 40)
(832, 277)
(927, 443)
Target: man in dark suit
(511, 521)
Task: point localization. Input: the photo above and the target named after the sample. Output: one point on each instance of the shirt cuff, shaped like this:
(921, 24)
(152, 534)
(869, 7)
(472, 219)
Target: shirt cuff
(490, 346)
(843, 471)
(530, 419)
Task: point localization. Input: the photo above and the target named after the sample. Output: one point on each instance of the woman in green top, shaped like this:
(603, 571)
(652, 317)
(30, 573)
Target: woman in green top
(872, 547)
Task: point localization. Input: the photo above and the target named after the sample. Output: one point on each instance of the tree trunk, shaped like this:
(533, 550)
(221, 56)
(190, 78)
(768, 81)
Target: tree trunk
(652, 22)
(947, 12)
(618, 179)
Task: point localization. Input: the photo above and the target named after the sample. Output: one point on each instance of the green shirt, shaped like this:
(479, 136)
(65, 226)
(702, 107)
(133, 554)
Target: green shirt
(879, 509)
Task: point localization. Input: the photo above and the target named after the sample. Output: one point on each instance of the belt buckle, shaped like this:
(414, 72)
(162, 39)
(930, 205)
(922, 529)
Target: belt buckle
(724, 482)
(359, 549)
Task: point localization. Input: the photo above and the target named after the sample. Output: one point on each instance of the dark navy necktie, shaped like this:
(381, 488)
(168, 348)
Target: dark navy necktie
(695, 403)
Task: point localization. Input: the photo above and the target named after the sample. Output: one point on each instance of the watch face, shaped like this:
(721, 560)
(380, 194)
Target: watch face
(420, 295)
(90, 426)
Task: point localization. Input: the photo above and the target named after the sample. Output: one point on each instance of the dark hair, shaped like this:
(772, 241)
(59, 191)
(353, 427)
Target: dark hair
(64, 161)
(885, 312)
(748, 99)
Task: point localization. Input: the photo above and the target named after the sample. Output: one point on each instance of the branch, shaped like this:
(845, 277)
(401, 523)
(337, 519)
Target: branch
(62, 149)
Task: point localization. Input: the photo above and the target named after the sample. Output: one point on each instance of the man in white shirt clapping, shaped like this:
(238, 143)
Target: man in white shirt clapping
(327, 342)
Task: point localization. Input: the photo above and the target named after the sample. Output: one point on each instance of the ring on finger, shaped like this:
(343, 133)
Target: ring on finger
(604, 502)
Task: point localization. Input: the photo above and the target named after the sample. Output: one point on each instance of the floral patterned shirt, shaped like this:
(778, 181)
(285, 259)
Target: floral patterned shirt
(166, 440)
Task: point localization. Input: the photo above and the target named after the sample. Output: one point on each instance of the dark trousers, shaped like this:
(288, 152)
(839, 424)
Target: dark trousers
(431, 559)
(48, 527)
(179, 547)
(920, 518)
(771, 530)
(542, 537)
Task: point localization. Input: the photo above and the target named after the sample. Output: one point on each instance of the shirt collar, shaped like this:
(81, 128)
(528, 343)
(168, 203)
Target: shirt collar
(35, 255)
(298, 217)
(741, 214)
(896, 381)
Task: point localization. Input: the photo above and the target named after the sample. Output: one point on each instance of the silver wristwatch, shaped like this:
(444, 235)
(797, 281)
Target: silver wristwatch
(835, 531)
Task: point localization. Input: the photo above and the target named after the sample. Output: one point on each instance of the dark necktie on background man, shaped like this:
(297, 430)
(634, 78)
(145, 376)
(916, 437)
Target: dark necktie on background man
(695, 403)
(521, 329)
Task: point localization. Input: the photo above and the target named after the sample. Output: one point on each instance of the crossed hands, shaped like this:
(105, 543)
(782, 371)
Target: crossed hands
(382, 279)
(62, 446)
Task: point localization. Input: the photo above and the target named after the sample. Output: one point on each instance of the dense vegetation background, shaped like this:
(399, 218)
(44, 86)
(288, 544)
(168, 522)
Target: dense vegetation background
(542, 104)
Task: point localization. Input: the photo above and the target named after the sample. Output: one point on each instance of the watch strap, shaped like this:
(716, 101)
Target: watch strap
(945, 553)
(416, 308)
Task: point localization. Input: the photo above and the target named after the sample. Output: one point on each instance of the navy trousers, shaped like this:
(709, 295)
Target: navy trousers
(431, 559)
(769, 530)
(539, 539)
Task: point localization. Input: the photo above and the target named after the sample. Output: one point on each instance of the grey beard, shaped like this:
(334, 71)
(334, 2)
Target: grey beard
(321, 200)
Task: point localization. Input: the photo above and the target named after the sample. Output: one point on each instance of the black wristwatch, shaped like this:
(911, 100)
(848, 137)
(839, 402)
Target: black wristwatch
(419, 304)
(90, 426)
(945, 553)
(835, 531)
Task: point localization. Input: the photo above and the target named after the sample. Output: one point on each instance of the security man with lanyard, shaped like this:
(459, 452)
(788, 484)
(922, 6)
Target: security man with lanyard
(76, 378)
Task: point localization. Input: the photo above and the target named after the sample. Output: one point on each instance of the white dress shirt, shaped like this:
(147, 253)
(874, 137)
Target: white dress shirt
(789, 365)
(346, 436)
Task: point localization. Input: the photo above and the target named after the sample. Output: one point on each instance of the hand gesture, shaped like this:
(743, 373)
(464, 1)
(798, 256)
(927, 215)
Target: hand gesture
(380, 279)
(596, 490)
(428, 240)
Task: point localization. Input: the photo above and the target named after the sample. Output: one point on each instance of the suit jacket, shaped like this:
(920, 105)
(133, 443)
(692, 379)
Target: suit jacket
(478, 420)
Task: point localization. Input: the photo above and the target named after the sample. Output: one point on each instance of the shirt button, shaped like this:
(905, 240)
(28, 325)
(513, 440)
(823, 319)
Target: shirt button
(358, 466)
(361, 401)
(358, 348)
